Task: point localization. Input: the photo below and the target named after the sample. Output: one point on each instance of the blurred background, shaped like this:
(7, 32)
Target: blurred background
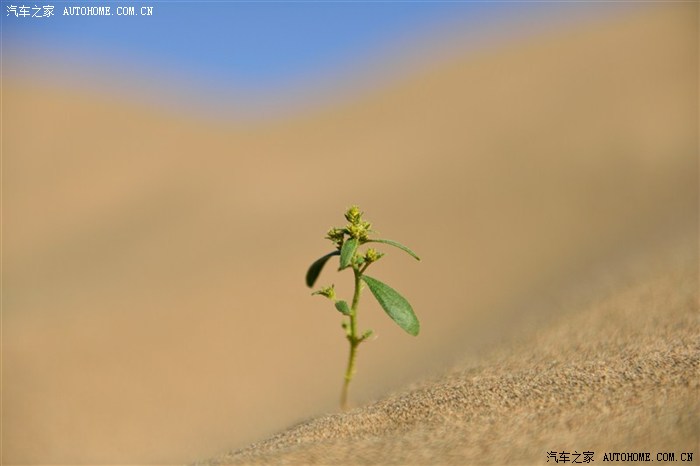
(168, 178)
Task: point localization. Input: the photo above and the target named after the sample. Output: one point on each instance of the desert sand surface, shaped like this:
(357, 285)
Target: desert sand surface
(618, 376)
(154, 307)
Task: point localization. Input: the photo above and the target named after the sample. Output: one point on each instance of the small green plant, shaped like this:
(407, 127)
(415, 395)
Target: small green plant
(348, 241)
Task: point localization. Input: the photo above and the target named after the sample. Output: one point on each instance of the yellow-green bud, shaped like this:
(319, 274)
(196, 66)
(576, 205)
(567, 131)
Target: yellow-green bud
(356, 228)
(359, 230)
(372, 256)
(336, 235)
(353, 215)
(328, 292)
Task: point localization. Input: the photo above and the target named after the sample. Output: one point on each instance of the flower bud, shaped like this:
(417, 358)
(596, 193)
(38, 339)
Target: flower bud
(336, 235)
(353, 215)
(372, 255)
(328, 292)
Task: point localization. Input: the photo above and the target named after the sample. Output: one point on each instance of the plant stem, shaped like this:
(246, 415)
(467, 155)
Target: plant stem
(348, 376)
(353, 339)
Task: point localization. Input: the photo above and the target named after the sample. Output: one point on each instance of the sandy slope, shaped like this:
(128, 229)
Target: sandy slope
(153, 301)
(621, 375)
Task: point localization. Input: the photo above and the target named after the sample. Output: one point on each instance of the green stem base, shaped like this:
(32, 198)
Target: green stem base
(349, 372)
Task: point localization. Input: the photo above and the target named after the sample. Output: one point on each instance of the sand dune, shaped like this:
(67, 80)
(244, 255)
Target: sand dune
(153, 301)
(619, 376)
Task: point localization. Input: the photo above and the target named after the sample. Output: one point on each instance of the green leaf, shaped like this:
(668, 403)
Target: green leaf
(347, 251)
(343, 307)
(394, 305)
(396, 245)
(316, 268)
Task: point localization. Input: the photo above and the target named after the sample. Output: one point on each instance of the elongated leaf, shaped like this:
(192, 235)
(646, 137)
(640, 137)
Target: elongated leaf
(316, 267)
(395, 244)
(394, 305)
(347, 251)
(343, 307)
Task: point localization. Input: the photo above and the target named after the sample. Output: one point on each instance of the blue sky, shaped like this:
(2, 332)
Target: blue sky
(243, 47)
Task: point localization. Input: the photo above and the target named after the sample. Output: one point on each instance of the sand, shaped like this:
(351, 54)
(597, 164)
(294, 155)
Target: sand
(619, 376)
(154, 310)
